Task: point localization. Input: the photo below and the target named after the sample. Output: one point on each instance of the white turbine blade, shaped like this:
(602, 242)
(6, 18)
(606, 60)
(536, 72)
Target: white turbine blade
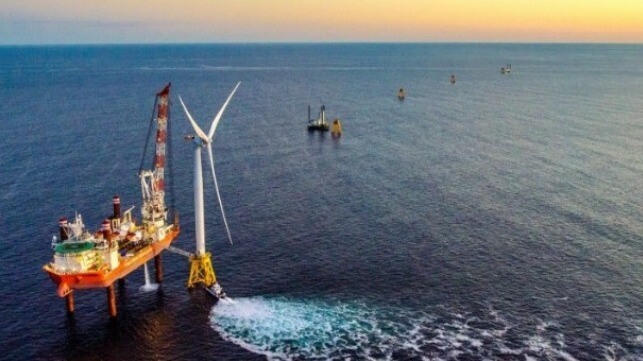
(198, 130)
(216, 119)
(216, 186)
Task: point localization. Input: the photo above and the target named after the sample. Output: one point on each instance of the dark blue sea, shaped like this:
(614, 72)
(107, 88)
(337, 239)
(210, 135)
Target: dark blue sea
(497, 218)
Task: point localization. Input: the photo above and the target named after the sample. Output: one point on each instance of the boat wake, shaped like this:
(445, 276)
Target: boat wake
(288, 329)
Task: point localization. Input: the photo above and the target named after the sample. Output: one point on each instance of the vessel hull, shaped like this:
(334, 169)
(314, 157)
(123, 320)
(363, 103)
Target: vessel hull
(99, 279)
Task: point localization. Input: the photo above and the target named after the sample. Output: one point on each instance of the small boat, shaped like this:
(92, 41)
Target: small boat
(505, 69)
(216, 291)
(336, 129)
(400, 94)
(320, 123)
(452, 78)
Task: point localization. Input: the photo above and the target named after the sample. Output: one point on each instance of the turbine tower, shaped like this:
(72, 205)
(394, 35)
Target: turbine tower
(201, 270)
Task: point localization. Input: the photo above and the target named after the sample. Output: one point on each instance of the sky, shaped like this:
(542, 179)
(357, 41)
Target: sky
(243, 21)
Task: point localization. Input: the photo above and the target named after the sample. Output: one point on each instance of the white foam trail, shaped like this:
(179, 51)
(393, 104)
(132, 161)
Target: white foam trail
(291, 329)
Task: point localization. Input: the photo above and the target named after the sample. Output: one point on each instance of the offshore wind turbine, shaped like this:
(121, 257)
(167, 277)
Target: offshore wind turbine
(201, 270)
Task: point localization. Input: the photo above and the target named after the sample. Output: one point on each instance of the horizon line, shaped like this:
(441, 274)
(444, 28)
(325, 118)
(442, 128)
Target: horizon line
(338, 42)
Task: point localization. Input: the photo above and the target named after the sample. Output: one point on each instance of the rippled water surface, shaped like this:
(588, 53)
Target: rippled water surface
(496, 218)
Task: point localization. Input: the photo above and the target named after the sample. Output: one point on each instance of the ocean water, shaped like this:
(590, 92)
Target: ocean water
(496, 218)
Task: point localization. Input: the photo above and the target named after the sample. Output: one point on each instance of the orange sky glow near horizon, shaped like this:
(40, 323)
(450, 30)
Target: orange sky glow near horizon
(162, 21)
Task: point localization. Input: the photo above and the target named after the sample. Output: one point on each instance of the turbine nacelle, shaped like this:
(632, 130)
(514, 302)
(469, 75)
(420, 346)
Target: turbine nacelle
(198, 142)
